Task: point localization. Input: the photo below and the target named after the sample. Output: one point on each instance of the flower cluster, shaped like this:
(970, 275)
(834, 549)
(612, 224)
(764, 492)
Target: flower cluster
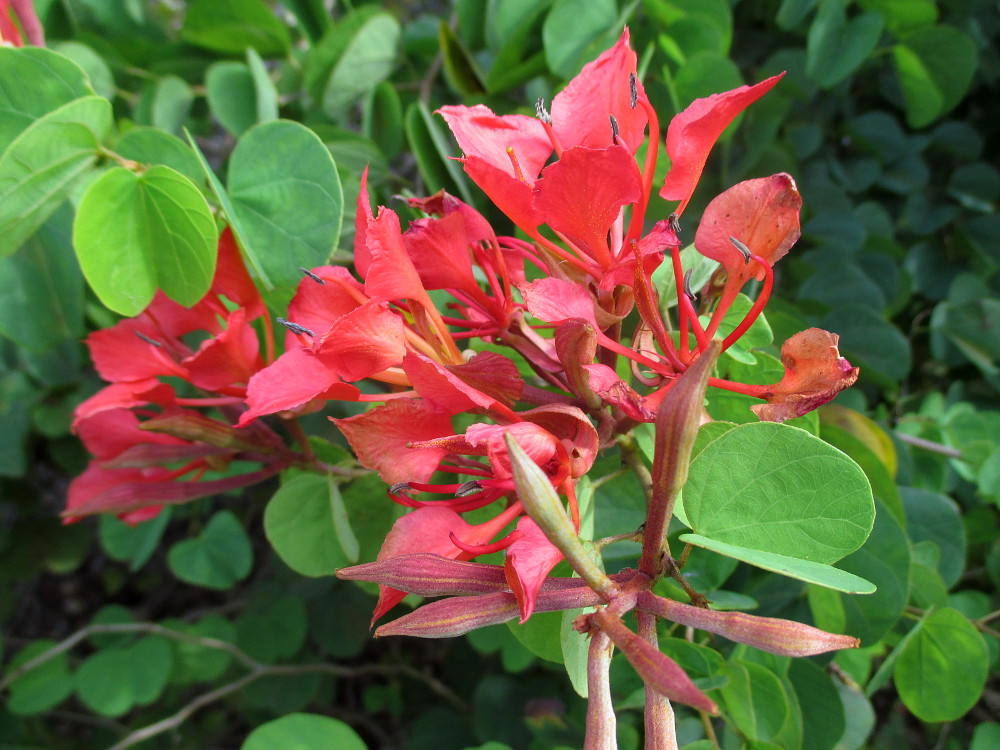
(575, 309)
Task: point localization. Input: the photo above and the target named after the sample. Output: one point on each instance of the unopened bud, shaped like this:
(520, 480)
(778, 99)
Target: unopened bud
(657, 670)
(776, 636)
(544, 507)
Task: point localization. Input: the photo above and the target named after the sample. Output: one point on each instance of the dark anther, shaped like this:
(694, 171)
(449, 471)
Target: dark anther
(614, 129)
(146, 338)
(469, 488)
(687, 284)
(400, 487)
(541, 112)
(295, 327)
(675, 223)
(313, 276)
(633, 91)
(744, 250)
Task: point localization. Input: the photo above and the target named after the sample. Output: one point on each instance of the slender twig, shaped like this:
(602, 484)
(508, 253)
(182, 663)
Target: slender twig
(929, 445)
(632, 458)
(256, 671)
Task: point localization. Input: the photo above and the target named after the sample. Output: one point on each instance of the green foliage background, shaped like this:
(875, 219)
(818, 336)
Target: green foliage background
(886, 118)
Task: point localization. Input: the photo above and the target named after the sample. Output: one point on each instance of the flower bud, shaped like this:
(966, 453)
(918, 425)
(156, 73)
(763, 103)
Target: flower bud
(782, 637)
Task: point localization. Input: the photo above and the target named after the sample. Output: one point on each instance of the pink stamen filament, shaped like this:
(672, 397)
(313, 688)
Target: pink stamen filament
(648, 170)
(486, 549)
(224, 401)
(758, 305)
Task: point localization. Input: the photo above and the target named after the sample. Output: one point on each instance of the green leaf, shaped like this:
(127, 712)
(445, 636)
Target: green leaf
(44, 687)
(541, 635)
(197, 663)
(312, 15)
(935, 66)
(135, 233)
(353, 57)
(217, 558)
(570, 30)
(803, 570)
(461, 70)
(936, 518)
(41, 289)
(303, 732)
(755, 700)
(885, 561)
(823, 720)
(703, 74)
(172, 99)
(266, 96)
(775, 488)
(112, 681)
(98, 71)
(941, 671)
(230, 26)
(432, 150)
(55, 81)
(299, 524)
(274, 630)
(286, 197)
(575, 651)
(41, 166)
(150, 146)
(836, 47)
(232, 96)
(134, 544)
(986, 736)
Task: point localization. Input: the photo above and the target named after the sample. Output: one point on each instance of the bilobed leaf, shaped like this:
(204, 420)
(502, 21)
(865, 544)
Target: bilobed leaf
(230, 26)
(303, 732)
(132, 544)
(172, 99)
(355, 56)
(41, 288)
(942, 670)
(459, 67)
(217, 558)
(55, 80)
(113, 680)
(836, 47)
(935, 66)
(575, 651)
(286, 196)
(775, 488)
(135, 233)
(42, 688)
(149, 146)
(299, 525)
(804, 570)
(40, 167)
(936, 518)
(232, 96)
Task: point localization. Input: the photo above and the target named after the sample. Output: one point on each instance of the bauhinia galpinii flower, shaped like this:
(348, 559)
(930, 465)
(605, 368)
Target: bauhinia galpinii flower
(554, 343)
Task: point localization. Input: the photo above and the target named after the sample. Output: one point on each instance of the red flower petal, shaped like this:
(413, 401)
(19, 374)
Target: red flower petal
(814, 373)
(232, 279)
(292, 380)
(580, 111)
(529, 560)
(492, 374)
(511, 195)
(362, 343)
(693, 132)
(124, 396)
(391, 275)
(107, 433)
(763, 214)
(582, 194)
(230, 358)
(442, 388)
(439, 249)
(381, 437)
(613, 390)
(487, 136)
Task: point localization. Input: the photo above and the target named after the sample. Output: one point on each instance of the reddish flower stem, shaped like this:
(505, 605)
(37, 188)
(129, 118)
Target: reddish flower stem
(601, 721)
